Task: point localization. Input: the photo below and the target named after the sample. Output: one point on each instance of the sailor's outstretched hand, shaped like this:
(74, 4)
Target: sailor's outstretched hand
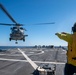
(56, 33)
(60, 33)
(63, 32)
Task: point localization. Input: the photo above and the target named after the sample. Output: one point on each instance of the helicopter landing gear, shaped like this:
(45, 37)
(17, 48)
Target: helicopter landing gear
(10, 39)
(24, 40)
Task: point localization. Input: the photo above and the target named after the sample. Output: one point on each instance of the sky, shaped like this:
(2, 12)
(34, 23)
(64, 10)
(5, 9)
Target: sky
(28, 12)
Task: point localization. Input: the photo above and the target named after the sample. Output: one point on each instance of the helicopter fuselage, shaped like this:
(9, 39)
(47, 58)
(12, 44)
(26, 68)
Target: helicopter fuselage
(17, 36)
(17, 33)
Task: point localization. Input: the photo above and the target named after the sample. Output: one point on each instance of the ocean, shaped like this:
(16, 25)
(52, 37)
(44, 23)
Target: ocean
(13, 47)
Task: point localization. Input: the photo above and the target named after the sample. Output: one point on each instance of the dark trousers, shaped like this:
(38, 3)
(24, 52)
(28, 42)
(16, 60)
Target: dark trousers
(69, 69)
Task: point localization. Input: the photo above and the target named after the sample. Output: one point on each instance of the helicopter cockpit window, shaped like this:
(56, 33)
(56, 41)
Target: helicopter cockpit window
(15, 28)
(21, 28)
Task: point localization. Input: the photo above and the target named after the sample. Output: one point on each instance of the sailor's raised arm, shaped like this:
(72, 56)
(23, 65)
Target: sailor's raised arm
(64, 36)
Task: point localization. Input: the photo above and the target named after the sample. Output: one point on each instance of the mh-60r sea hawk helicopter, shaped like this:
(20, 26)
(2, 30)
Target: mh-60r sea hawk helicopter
(17, 31)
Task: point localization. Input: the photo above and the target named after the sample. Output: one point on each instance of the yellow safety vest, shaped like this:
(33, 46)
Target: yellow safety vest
(71, 53)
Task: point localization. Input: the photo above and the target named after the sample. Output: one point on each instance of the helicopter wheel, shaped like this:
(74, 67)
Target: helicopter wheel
(10, 39)
(23, 39)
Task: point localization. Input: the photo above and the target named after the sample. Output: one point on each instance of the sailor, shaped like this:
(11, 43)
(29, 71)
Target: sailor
(70, 66)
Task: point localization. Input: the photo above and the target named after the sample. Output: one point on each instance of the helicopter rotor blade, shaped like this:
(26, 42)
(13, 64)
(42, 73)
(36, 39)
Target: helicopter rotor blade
(44, 23)
(7, 13)
(6, 24)
(19, 24)
(11, 24)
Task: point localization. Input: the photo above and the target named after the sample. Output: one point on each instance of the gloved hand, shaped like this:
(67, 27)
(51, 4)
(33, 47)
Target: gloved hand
(63, 33)
(56, 33)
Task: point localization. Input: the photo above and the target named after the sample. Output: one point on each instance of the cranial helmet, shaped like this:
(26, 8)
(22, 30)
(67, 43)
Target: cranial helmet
(74, 27)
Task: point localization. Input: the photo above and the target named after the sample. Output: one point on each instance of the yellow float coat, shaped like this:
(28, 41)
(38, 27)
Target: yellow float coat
(71, 53)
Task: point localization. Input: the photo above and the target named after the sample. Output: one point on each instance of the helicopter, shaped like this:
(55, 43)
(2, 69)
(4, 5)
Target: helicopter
(17, 31)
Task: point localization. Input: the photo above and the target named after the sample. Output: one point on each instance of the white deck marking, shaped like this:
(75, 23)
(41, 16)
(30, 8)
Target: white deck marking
(33, 61)
(49, 62)
(13, 60)
(29, 60)
(12, 54)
